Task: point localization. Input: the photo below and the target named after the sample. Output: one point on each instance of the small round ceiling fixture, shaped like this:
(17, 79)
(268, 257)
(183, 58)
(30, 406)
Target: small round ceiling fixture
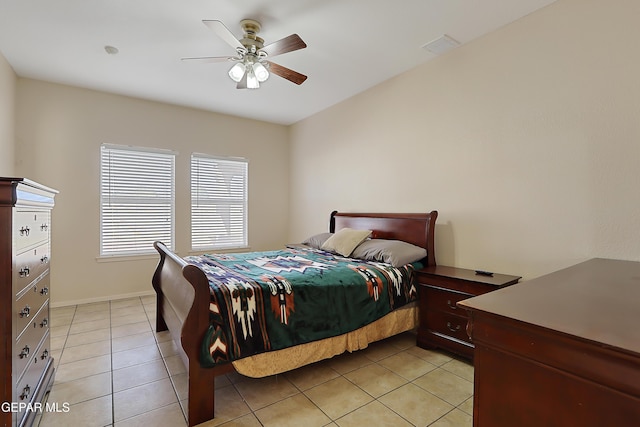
(111, 50)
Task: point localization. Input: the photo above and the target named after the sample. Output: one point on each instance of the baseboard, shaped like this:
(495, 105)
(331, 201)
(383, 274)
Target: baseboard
(102, 299)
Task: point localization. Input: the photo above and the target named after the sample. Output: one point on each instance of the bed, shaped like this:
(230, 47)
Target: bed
(187, 306)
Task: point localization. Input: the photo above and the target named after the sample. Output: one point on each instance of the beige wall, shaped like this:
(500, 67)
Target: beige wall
(527, 141)
(7, 117)
(59, 131)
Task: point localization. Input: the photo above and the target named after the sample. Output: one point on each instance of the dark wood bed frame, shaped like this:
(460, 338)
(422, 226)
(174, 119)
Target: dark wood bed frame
(182, 296)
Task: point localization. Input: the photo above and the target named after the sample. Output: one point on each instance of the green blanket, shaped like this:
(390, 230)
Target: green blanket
(264, 301)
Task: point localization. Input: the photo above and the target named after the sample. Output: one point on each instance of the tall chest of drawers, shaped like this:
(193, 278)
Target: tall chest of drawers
(26, 367)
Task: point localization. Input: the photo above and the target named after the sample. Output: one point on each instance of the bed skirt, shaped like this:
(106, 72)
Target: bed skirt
(279, 361)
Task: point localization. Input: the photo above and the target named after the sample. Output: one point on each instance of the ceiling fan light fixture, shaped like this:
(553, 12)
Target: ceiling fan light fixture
(252, 80)
(237, 71)
(261, 72)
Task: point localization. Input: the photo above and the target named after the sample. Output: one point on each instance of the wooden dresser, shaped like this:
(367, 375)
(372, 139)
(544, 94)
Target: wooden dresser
(560, 350)
(26, 368)
(442, 322)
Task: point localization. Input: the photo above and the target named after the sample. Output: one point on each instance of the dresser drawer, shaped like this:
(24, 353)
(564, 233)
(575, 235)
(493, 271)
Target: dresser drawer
(30, 264)
(25, 347)
(30, 227)
(448, 324)
(29, 302)
(27, 385)
(443, 300)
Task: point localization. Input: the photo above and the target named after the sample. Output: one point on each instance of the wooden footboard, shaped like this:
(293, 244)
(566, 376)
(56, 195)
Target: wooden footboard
(182, 292)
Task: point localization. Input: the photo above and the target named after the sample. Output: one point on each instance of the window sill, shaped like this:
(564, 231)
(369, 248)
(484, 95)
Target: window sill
(121, 258)
(220, 251)
(155, 256)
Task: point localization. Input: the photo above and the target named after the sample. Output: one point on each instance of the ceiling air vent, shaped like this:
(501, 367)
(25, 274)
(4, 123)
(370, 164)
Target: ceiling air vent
(441, 45)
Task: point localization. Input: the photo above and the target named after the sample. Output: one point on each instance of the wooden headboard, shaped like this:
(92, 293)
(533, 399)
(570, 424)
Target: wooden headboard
(415, 228)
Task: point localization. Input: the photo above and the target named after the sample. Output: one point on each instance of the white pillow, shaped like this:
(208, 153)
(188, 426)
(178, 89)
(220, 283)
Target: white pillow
(345, 240)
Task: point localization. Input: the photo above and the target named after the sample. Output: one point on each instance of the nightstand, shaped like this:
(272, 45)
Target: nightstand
(442, 323)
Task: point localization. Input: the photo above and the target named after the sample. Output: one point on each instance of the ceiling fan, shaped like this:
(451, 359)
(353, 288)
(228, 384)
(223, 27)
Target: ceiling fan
(252, 66)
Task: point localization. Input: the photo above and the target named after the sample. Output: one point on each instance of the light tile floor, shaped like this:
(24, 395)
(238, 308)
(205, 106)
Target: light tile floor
(114, 370)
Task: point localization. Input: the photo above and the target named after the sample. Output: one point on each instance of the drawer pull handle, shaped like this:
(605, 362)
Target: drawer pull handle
(451, 305)
(24, 231)
(451, 328)
(25, 311)
(25, 352)
(44, 259)
(25, 392)
(45, 322)
(44, 291)
(24, 272)
(45, 354)
(44, 227)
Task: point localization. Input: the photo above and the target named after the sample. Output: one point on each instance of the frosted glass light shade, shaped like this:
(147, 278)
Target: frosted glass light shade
(252, 80)
(237, 71)
(261, 72)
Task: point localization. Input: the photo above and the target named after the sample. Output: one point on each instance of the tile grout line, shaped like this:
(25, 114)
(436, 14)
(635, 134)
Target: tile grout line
(113, 394)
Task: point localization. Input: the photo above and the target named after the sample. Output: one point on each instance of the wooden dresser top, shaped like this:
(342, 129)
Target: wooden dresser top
(597, 300)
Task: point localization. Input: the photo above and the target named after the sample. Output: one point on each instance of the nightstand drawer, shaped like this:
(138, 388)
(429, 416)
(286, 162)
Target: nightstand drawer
(442, 323)
(448, 324)
(444, 300)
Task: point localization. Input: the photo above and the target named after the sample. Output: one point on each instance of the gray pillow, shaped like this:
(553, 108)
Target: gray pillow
(318, 240)
(394, 252)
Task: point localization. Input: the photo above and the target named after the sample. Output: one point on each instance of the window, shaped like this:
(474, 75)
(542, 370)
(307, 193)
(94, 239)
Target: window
(137, 196)
(218, 202)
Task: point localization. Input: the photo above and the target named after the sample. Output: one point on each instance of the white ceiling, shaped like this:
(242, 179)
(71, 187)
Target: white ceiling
(352, 45)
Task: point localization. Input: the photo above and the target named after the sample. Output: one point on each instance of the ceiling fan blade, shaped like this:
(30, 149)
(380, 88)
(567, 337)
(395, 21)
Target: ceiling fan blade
(223, 32)
(284, 72)
(211, 59)
(287, 44)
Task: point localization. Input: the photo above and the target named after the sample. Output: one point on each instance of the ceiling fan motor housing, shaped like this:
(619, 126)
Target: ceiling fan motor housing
(251, 29)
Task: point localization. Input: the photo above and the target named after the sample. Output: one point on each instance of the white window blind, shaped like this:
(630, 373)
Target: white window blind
(218, 202)
(137, 197)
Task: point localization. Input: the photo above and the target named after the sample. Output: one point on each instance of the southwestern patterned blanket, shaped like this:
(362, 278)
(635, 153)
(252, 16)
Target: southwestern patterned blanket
(264, 301)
